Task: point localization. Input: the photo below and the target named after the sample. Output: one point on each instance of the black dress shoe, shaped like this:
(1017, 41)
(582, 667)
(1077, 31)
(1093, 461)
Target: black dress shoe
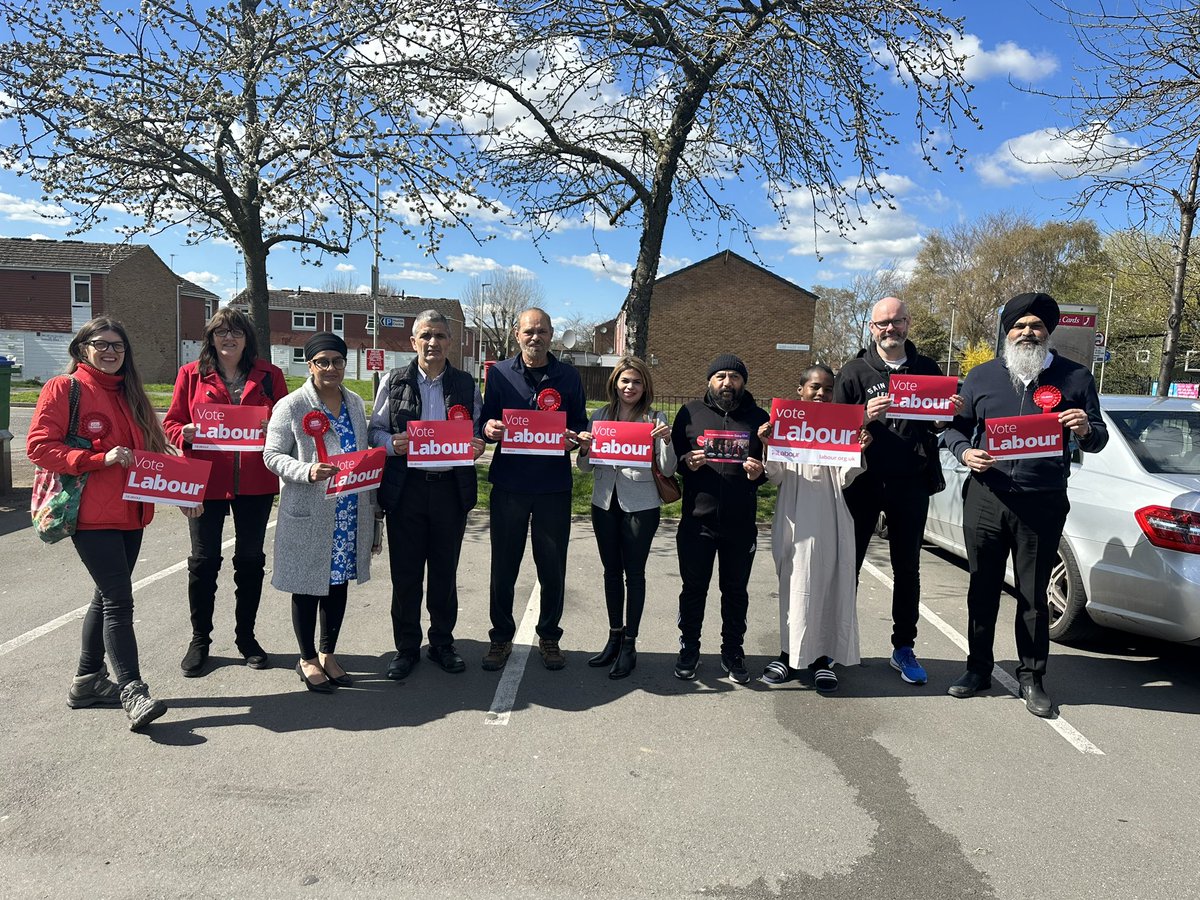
(317, 687)
(401, 666)
(447, 657)
(626, 659)
(1037, 701)
(970, 684)
(343, 680)
(196, 658)
(608, 655)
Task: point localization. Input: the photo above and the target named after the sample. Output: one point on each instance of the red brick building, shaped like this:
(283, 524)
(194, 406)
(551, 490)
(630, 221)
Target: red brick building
(49, 289)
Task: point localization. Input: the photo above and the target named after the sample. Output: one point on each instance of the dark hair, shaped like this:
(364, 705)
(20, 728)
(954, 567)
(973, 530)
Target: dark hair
(625, 364)
(135, 394)
(227, 317)
(815, 367)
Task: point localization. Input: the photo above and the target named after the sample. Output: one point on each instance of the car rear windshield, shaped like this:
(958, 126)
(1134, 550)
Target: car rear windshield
(1165, 443)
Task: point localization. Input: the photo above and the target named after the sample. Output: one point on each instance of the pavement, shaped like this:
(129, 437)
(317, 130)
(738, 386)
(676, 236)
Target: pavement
(531, 783)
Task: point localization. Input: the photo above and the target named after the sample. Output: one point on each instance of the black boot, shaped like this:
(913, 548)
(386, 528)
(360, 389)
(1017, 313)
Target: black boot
(606, 656)
(626, 659)
(247, 591)
(202, 593)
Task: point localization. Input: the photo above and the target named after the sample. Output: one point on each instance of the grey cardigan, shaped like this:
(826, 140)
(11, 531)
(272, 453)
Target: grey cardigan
(304, 529)
(634, 486)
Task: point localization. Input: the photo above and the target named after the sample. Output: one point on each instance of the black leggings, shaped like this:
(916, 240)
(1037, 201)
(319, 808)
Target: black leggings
(304, 619)
(109, 556)
(623, 539)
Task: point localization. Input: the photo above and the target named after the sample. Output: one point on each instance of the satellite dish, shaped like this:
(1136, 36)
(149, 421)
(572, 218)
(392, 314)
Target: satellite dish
(569, 338)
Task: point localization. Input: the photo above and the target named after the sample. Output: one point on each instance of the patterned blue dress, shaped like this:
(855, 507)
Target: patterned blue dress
(344, 566)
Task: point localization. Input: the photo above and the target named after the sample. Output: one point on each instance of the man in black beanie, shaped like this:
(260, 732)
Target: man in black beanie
(719, 510)
(1019, 506)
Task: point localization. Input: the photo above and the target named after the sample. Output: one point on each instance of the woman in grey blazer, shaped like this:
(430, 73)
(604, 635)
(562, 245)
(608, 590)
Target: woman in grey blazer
(320, 543)
(625, 511)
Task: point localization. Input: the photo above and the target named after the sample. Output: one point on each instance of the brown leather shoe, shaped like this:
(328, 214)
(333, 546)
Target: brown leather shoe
(552, 655)
(497, 655)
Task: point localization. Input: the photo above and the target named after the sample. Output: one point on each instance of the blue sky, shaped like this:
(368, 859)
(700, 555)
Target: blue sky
(585, 273)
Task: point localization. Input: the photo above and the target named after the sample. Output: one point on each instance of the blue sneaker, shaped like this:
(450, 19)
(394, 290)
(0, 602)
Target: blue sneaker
(905, 662)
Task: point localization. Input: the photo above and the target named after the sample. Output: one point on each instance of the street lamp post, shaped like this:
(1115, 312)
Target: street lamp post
(950, 347)
(1112, 279)
(375, 280)
(479, 354)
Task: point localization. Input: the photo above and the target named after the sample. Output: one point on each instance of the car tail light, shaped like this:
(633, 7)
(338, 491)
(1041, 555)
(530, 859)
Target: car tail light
(1172, 529)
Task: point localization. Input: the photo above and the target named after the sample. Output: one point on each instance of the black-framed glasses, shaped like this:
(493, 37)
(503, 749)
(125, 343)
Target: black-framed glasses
(115, 346)
(338, 362)
(229, 332)
(894, 323)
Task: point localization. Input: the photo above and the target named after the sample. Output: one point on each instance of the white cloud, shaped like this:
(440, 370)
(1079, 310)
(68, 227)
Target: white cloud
(1006, 59)
(602, 266)
(204, 279)
(344, 267)
(415, 275)
(1050, 154)
(19, 209)
(476, 265)
(668, 264)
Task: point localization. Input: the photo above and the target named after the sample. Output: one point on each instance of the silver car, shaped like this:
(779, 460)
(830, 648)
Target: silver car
(1130, 552)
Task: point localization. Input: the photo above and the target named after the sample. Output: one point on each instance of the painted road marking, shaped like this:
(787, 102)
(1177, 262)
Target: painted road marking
(514, 669)
(1068, 732)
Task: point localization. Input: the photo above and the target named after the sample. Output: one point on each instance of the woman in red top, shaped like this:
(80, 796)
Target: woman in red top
(227, 372)
(115, 413)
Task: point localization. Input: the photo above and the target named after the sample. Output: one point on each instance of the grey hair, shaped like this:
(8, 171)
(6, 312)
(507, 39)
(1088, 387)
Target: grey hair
(432, 315)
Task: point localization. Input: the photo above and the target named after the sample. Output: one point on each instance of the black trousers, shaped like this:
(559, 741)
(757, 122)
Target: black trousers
(732, 548)
(905, 502)
(623, 539)
(1029, 526)
(109, 556)
(512, 516)
(250, 516)
(331, 610)
(425, 530)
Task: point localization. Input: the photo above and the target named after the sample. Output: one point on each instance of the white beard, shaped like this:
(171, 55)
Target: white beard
(1024, 361)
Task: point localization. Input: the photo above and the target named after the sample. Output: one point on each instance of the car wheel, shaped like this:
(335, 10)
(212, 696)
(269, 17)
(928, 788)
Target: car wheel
(1067, 600)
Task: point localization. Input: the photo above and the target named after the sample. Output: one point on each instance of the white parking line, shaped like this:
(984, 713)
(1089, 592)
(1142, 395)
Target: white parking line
(514, 669)
(55, 624)
(1068, 731)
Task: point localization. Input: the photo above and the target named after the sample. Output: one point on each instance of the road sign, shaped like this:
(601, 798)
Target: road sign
(391, 321)
(374, 360)
(1099, 338)
(1102, 356)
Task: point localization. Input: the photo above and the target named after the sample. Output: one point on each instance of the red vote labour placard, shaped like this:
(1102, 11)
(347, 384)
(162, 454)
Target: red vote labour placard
(822, 434)
(530, 432)
(220, 426)
(158, 478)
(924, 397)
(357, 472)
(1024, 437)
(437, 444)
(621, 444)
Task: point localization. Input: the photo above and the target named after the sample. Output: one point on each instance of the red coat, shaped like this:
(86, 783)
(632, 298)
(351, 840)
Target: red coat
(232, 473)
(102, 400)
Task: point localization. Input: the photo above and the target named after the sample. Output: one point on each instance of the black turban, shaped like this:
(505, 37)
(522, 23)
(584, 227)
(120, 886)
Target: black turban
(1041, 305)
(727, 362)
(324, 340)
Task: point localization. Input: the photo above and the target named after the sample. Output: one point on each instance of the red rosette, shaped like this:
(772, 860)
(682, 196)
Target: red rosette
(94, 426)
(315, 424)
(458, 412)
(1047, 397)
(549, 399)
(701, 440)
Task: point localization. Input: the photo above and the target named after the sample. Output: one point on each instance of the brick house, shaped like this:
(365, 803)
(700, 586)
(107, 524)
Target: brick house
(727, 304)
(297, 315)
(49, 289)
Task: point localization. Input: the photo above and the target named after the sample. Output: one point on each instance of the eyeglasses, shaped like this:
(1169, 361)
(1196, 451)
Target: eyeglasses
(338, 362)
(229, 332)
(115, 346)
(893, 323)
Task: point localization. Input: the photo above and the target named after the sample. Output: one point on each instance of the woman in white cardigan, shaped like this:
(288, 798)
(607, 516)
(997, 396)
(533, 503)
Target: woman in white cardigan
(625, 511)
(321, 543)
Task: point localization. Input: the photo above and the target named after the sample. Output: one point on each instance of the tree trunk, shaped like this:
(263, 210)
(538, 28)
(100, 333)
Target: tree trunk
(645, 271)
(256, 288)
(1187, 222)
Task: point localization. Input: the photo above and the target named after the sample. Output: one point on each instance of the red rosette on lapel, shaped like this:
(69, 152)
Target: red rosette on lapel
(458, 412)
(93, 426)
(549, 399)
(1047, 397)
(315, 424)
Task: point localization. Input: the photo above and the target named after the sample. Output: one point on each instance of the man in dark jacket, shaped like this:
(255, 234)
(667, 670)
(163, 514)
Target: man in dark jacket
(719, 508)
(530, 493)
(426, 508)
(1018, 506)
(902, 469)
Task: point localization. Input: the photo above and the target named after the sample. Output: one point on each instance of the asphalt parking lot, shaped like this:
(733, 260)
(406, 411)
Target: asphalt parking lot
(530, 783)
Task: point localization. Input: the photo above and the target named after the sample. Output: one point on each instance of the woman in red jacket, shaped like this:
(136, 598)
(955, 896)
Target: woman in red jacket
(115, 413)
(227, 372)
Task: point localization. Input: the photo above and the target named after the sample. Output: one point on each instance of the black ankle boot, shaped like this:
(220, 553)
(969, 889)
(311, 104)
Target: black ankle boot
(626, 659)
(606, 656)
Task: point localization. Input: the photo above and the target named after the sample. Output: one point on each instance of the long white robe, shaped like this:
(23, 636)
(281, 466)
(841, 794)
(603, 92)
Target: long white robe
(812, 541)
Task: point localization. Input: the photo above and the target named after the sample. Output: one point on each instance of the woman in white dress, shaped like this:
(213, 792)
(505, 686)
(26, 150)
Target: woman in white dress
(812, 541)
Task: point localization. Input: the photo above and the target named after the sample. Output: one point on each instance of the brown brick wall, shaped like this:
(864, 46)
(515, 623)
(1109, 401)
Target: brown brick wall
(728, 305)
(141, 295)
(35, 301)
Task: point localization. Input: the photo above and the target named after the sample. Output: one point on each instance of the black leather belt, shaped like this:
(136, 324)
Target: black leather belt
(438, 476)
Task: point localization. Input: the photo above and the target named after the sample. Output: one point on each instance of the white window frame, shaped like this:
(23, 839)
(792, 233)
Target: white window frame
(77, 281)
(303, 320)
(337, 324)
(298, 354)
(370, 323)
(208, 310)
